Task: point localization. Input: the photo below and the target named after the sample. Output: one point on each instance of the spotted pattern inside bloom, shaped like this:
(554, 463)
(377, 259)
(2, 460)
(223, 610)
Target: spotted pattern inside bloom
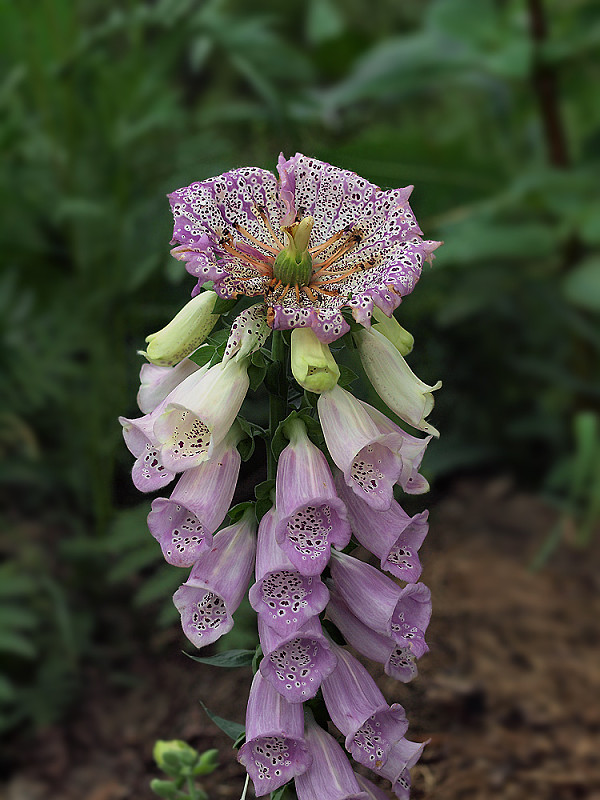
(295, 668)
(179, 532)
(272, 761)
(307, 531)
(408, 635)
(402, 664)
(190, 437)
(249, 331)
(365, 245)
(286, 592)
(373, 474)
(401, 787)
(403, 558)
(368, 746)
(208, 614)
(149, 473)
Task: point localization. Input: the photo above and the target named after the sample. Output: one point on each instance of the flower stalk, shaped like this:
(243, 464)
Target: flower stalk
(309, 247)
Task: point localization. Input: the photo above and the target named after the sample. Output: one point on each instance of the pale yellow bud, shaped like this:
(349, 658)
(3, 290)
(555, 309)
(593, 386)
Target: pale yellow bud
(402, 340)
(185, 333)
(313, 366)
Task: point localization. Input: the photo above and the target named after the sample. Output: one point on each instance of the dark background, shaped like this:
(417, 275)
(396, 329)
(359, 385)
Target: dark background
(490, 109)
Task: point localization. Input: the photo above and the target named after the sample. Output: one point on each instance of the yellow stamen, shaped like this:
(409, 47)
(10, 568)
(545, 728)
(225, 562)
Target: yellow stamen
(249, 236)
(340, 275)
(262, 214)
(319, 249)
(264, 269)
(345, 248)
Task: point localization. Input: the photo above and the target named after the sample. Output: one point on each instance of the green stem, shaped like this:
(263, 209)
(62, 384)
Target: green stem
(278, 406)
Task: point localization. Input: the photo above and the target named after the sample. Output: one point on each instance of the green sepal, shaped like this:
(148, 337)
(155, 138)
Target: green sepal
(354, 325)
(229, 659)
(246, 446)
(282, 793)
(257, 369)
(347, 376)
(239, 741)
(233, 729)
(258, 654)
(218, 354)
(262, 492)
(236, 512)
(313, 430)
(224, 305)
(202, 355)
(310, 399)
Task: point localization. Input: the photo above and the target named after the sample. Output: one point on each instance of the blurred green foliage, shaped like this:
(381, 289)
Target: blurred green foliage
(490, 109)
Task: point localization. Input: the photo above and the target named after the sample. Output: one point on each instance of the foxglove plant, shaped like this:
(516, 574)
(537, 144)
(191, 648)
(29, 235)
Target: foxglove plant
(326, 257)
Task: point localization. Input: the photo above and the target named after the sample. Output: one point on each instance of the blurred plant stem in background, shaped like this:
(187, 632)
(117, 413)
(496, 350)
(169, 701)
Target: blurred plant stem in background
(105, 109)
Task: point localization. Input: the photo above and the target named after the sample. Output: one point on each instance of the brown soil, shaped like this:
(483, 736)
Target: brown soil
(509, 694)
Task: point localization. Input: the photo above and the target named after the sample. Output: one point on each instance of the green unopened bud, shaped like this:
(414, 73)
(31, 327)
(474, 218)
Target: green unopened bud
(185, 333)
(313, 366)
(172, 755)
(208, 763)
(166, 789)
(402, 340)
(293, 265)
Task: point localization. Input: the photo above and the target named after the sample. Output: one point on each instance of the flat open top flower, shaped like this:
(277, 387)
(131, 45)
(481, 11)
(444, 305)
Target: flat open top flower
(315, 240)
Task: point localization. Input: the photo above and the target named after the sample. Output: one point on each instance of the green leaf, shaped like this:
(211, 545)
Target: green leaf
(246, 448)
(230, 658)
(263, 490)
(257, 375)
(236, 512)
(256, 658)
(582, 284)
(347, 376)
(323, 22)
(282, 792)
(203, 355)
(233, 729)
(14, 643)
(224, 305)
(313, 429)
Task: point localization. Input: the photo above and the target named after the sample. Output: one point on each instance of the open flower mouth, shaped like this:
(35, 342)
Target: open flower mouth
(316, 240)
(313, 277)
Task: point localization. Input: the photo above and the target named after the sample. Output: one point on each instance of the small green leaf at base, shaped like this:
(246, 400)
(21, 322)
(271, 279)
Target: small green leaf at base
(233, 729)
(230, 658)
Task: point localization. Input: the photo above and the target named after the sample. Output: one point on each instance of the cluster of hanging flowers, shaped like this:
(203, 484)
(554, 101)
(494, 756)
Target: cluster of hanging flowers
(325, 257)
